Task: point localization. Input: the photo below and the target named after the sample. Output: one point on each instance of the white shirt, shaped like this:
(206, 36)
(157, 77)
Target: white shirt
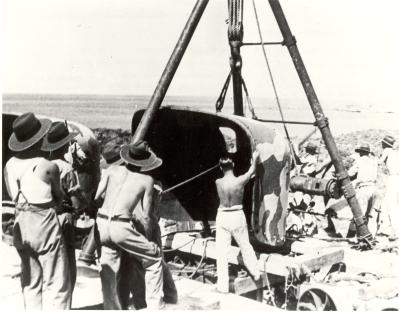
(366, 168)
(309, 164)
(34, 189)
(14, 170)
(391, 158)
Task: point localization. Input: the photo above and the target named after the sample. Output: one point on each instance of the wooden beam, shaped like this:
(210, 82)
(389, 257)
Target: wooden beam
(276, 267)
(316, 262)
(242, 285)
(309, 245)
(269, 263)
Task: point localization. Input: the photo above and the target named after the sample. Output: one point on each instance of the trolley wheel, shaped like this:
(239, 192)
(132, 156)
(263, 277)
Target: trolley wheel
(315, 299)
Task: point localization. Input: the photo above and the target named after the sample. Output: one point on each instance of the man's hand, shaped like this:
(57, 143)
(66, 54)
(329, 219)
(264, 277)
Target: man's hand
(256, 156)
(143, 225)
(147, 227)
(331, 213)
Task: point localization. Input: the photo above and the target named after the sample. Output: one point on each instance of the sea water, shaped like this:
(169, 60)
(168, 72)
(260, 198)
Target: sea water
(116, 111)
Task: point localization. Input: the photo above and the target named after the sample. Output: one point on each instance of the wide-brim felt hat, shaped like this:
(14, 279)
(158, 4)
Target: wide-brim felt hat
(363, 148)
(111, 153)
(27, 131)
(57, 137)
(140, 155)
(311, 147)
(389, 140)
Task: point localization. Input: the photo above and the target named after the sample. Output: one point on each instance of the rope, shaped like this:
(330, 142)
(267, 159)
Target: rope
(219, 104)
(175, 249)
(189, 180)
(248, 100)
(320, 214)
(202, 258)
(185, 231)
(268, 284)
(235, 29)
(190, 270)
(272, 80)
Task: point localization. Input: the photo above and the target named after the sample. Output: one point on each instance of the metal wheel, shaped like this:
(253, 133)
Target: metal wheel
(315, 300)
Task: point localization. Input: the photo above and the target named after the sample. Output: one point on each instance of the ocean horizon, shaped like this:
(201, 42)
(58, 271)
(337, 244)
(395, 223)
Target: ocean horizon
(116, 111)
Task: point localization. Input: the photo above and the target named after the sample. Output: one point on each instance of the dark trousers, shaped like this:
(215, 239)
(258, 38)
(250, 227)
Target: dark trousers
(45, 274)
(67, 225)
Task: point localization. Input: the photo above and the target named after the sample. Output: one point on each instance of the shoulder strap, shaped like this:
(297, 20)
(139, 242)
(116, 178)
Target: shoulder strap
(19, 185)
(16, 199)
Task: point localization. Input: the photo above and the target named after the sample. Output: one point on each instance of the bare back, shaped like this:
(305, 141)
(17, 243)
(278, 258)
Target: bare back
(230, 190)
(125, 191)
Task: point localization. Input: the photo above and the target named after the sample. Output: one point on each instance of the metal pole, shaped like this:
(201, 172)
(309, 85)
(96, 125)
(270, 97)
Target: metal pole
(157, 98)
(293, 122)
(322, 123)
(260, 43)
(235, 36)
(169, 71)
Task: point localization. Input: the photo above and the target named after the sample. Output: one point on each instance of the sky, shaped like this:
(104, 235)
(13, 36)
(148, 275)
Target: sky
(350, 48)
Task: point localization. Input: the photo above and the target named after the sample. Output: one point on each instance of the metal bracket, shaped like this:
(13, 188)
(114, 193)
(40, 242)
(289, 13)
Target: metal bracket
(290, 41)
(342, 176)
(362, 218)
(322, 123)
(348, 191)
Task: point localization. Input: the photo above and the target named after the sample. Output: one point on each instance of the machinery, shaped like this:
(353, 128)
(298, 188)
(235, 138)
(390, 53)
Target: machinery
(182, 135)
(190, 142)
(153, 119)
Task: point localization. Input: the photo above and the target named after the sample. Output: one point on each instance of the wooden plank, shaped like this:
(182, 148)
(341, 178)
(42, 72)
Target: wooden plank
(312, 262)
(246, 284)
(315, 262)
(269, 263)
(201, 295)
(315, 246)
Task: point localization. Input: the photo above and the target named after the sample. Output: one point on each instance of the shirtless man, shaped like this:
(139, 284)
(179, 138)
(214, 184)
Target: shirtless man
(128, 188)
(231, 221)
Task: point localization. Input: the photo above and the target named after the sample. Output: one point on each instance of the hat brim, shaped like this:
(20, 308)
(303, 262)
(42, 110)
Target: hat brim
(148, 164)
(387, 143)
(117, 162)
(357, 150)
(48, 147)
(308, 169)
(17, 146)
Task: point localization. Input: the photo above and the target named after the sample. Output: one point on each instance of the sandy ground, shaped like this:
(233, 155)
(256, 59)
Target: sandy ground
(88, 296)
(87, 293)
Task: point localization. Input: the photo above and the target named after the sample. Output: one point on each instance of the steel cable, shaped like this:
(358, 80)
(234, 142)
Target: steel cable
(272, 80)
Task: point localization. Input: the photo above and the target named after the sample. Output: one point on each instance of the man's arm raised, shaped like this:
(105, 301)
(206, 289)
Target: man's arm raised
(252, 170)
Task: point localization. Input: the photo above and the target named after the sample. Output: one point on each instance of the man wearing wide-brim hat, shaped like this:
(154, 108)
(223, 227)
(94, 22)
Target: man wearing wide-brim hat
(308, 160)
(33, 183)
(110, 157)
(364, 172)
(55, 144)
(128, 188)
(389, 224)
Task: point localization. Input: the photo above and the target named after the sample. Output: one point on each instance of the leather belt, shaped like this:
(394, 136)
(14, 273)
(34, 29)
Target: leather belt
(115, 218)
(233, 208)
